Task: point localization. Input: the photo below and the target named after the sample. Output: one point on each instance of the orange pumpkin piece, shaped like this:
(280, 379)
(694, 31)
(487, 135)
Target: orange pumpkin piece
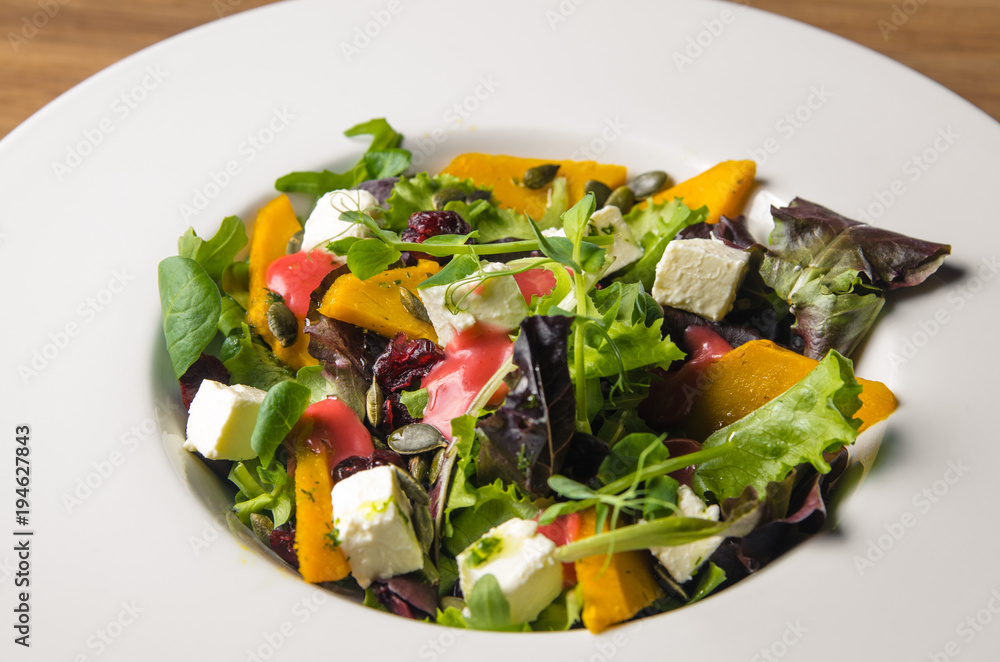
(755, 373)
(724, 189)
(319, 559)
(618, 591)
(375, 304)
(276, 223)
(503, 173)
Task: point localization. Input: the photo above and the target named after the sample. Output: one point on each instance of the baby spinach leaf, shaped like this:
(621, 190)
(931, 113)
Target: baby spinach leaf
(191, 306)
(216, 253)
(251, 363)
(281, 409)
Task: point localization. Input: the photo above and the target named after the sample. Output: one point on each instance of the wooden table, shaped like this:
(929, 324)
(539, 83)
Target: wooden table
(955, 42)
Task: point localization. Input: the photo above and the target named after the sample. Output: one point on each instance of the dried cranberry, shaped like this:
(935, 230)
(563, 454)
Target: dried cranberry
(425, 224)
(382, 457)
(350, 466)
(206, 367)
(405, 362)
(283, 543)
(394, 413)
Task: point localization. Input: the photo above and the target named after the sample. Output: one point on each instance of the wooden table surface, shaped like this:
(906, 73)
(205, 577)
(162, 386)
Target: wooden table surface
(54, 44)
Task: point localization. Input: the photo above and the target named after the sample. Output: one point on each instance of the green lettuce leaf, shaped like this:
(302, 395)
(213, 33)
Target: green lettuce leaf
(810, 418)
(413, 194)
(281, 409)
(191, 306)
(654, 226)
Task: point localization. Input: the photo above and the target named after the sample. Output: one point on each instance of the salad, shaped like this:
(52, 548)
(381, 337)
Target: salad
(528, 395)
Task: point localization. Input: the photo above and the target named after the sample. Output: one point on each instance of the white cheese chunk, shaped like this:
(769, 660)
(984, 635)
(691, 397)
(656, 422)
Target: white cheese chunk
(700, 276)
(523, 563)
(682, 561)
(496, 302)
(371, 517)
(221, 420)
(324, 224)
(625, 250)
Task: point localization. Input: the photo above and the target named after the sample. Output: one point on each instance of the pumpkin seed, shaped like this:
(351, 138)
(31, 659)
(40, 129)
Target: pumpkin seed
(539, 176)
(262, 527)
(423, 525)
(430, 571)
(647, 183)
(373, 404)
(416, 438)
(295, 242)
(414, 305)
(451, 601)
(420, 467)
(477, 195)
(600, 190)
(436, 464)
(623, 198)
(446, 195)
(282, 323)
(411, 488)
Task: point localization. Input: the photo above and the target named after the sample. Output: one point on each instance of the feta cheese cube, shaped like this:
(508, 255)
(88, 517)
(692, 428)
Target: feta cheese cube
(700, 276)
(522, 561)
(371, 518)
(324, 224)
(496, 302)
(221, 420)
(625, 250)
(682, 561)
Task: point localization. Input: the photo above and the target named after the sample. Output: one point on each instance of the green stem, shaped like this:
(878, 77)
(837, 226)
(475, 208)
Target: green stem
(665, 467)
(519, 246)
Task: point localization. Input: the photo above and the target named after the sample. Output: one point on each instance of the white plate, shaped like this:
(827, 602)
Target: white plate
(94, 184)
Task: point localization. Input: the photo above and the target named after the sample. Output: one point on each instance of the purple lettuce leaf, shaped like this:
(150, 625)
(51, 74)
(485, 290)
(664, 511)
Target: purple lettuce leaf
(527, 439)
(833, 272)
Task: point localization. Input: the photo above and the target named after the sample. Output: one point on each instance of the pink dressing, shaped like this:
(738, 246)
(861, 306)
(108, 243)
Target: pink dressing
(535, 282)
(295, 277)
(471, 359)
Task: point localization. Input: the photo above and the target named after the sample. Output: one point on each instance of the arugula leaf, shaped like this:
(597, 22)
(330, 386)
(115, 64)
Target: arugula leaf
(385, 140)
(218, 252)
(810, 418)
(624, 457)
(575, 220)
(384, 163)
(251, 363)
(281, 409)
(191, 306)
